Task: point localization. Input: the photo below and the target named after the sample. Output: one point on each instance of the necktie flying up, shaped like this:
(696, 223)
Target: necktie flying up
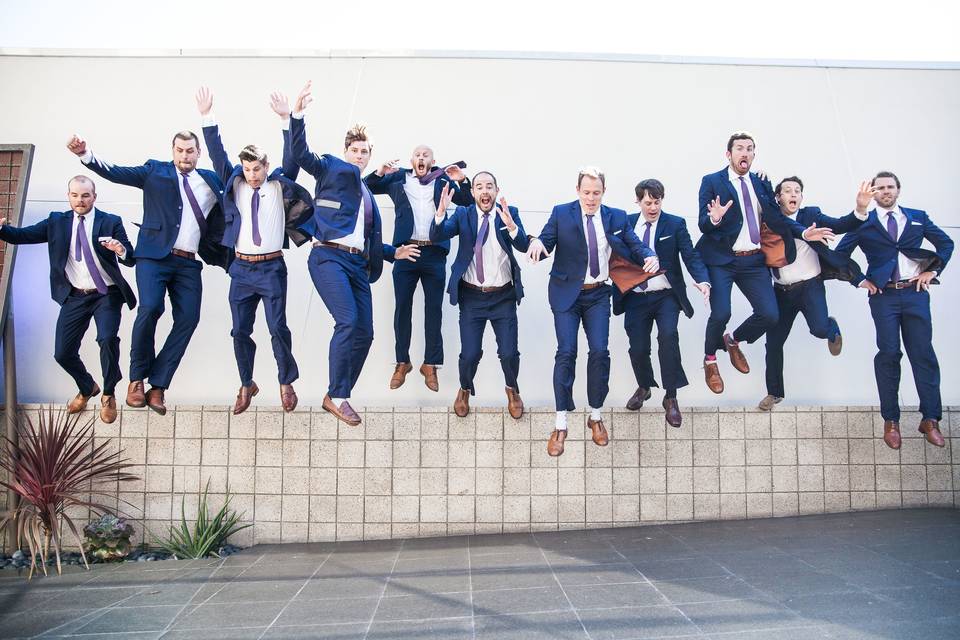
(194, 205)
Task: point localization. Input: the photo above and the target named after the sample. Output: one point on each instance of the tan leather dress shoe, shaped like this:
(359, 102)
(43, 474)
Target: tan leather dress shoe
(136, 397)
(108, 409)
(891, 434)
(288, 397)
(836, 345)
(711, 372)
(555, 443)
(600, 437)
(155, 400)
(737, 359)
(400, 374)
(244, 396)
(768, 402)
(931, 430)
(514, 403)
(79, 402)
(429, 372)
(641, 395)
(344, 412)
(461, 405)
(672, 409)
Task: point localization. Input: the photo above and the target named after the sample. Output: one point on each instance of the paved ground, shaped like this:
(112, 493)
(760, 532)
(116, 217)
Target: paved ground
(892, 574)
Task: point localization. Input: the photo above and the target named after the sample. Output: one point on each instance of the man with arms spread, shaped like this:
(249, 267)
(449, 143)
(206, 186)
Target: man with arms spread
(898, 279)
(415, 193)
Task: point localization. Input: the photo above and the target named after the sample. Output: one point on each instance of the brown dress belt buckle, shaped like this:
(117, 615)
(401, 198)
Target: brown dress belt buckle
(752, 252)
(470, 285)
(419, 243)
(183, 254)
(258, 257)
(592, 285)
(342, 247)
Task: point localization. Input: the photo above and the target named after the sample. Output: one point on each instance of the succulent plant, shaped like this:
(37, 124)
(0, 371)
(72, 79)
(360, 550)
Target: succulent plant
(108, 538)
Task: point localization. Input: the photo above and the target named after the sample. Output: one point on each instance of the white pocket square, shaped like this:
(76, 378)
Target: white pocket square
(501, 228)
(919, 223)
(665, 237)
(618, 232)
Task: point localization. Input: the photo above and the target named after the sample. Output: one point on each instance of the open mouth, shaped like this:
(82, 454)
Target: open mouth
(486, 202)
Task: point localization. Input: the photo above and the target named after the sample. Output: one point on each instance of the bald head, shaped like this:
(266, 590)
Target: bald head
(82, 194)
(422, 160)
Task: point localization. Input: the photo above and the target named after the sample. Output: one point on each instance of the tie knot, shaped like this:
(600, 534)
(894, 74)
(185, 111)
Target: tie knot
(742, 179)
(256, 189)
(648, 224)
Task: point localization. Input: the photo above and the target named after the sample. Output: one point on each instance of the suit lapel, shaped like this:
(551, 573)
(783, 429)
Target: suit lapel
(577, 219)
(605, 219)
(472, 215)
(732, 190)
(65, 232)
(875, 216)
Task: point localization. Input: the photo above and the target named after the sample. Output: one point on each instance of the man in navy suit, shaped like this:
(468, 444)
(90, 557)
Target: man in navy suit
(731, 249)
(348, 252)
(85, 281)
(660, 299)
(582, 236)
(898, 279)
(416, 194)
(261, 211)
(181, 218)
(799, 285)
(485, 282)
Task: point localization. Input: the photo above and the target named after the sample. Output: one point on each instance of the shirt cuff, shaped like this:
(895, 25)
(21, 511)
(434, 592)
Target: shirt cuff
(87, 157)
(714, 223)
(208, 120)
(866, 214)
(285, 124)
(297, 114)
(513, 234)
(704, 284)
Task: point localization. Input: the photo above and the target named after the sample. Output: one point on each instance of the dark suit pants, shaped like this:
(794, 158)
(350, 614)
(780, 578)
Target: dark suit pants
(72, 324)
(641, 310)
(592, 308)
(752, 277)
(905, 312)
(499, 308)
(809, 298)
(251, 282)
(342, 282)
(430, 270)
(179, 278)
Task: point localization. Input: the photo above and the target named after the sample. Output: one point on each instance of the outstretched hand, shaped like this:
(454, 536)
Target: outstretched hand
(813, 233)
(204, 99)
(446, 197)
(536, 251)
(717, 210)
(505, 217)
(304, 98)
(280, 105)
(865, 196)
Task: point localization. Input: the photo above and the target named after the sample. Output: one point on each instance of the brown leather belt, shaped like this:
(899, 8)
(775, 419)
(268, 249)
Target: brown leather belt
(794, 285)
(901, 284)
(419, 243)
(183, 254)
(592, 285)
(341, 247)
(752, 252)
(259, 257)
(485, 289)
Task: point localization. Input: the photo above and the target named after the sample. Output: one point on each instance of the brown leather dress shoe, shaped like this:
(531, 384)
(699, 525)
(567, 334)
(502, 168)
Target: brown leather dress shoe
(244, 396)
(931, 430)
(674, 419)
(555, 443)
(155, 400)
(711, 371)
(344, 412)
(641, 395)
(891, 434)
(400, 374)
(461, 405)
(769, 402)
(836, 345)
(79, 402)
(288, 397)
(514, 403)
(600, 437)
(136, 397)
(108, 409)
(429, 372)
(737, 359)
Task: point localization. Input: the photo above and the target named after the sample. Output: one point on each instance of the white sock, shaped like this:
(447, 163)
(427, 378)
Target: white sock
(338, 401)
(595, 414)
(561, 421)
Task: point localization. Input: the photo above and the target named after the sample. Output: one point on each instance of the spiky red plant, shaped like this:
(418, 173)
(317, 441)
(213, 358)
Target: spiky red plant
(55, 466)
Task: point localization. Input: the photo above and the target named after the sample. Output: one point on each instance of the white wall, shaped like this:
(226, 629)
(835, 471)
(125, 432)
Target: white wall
(533, 123)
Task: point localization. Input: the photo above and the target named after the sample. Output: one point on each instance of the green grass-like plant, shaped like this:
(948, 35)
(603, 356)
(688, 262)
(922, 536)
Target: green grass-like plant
(208, 532)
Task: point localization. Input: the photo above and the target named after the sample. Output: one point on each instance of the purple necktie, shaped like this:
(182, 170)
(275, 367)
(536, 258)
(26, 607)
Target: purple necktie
(194, 205)
(892, 229)
(83, 249)
(592, 246)
(367, 209)
(478, 246)
(750, 215)
(430, 176)
(646, 241)
(255, 215)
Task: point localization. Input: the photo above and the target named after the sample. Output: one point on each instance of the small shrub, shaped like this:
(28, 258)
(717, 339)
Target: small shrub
(108, 538)
(207, 534)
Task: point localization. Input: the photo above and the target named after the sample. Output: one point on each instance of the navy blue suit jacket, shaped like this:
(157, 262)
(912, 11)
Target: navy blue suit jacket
(57, 230)
(338, 200)
(833, 266)
(392, 185)
(163, 207)
(671, 244)
(463, 223)
(716, 243)
(297, 202)
(882, 252)
(564, 232)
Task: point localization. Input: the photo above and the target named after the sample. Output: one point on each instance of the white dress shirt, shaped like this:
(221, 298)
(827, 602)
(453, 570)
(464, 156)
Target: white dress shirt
(656, 283)
(188, 237)
(270, 216)
(603, 248)
(77, 272)
(743, 242)
(420, 197)
(806, 266)
(356, 238)
(496, 261)
(908, 268)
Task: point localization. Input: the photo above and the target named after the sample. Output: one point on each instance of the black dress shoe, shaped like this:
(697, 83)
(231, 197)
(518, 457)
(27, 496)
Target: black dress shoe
(641, 395)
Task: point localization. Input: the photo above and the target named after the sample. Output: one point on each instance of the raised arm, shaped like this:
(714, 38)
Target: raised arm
(510, 217)
(444, 227)
(211, 135)
(281, 106)
(130, 176)
(712, 211)
(387, 174)
(308, 161)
